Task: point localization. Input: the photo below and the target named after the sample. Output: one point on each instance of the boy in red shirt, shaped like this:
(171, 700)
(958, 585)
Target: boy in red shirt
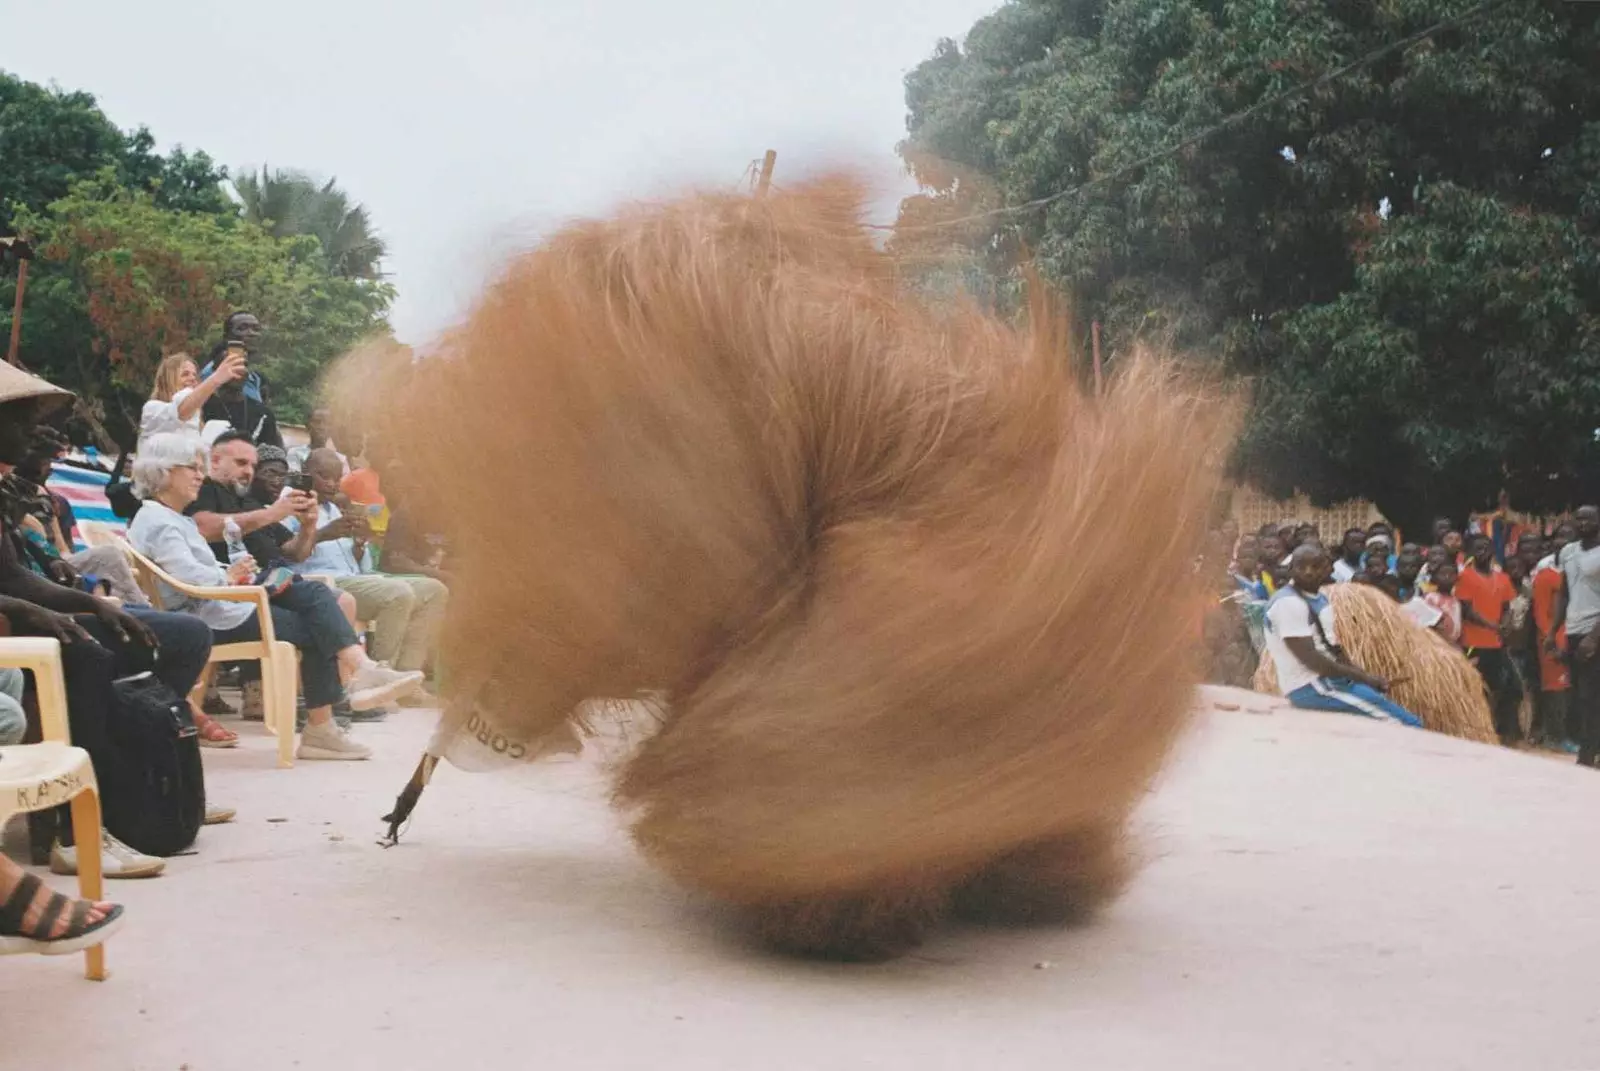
(1486, 595)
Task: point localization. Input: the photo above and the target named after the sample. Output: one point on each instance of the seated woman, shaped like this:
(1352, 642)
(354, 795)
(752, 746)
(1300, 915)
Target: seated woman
(167, 477)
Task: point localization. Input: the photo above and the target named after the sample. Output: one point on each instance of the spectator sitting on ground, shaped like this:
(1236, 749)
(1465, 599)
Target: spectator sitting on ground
(245, 404)
(169, 477)
(1313, 673)
(179, 395)
(406, 611)
(1348, 567)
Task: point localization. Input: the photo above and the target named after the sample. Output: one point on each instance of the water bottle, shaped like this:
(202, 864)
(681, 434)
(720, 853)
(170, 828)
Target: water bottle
(235, 541)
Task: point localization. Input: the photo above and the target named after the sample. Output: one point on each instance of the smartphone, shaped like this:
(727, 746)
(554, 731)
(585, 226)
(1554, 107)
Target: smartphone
(301, 481)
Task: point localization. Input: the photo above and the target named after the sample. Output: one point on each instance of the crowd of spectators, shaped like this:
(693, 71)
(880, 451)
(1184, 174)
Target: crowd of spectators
(1521, 602)
(217, 502)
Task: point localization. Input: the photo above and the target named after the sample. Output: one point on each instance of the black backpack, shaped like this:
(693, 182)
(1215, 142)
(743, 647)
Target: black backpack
(154, 802)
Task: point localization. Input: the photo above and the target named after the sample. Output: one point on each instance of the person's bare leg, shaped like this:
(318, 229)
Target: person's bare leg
(11, 874)
(319, 715)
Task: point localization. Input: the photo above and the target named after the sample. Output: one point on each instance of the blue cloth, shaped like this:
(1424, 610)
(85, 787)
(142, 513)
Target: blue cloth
(251, 385)
(1348, 697)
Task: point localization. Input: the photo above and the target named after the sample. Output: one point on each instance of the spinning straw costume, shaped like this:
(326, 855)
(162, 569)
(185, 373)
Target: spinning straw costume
(917, 604)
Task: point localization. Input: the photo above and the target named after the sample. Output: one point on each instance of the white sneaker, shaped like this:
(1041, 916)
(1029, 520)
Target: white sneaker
(376, 684)
(117, 860)
(328, 741)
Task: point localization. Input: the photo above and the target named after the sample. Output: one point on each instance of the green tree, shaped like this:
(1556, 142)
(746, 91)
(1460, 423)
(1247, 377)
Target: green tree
(1357, 250)
(127, 281)
(291, 202)
(50, 139)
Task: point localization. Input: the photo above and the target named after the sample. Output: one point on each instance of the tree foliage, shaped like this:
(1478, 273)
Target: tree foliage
(1402, 259)
(291, 202)
(155, 281)
(143, 254)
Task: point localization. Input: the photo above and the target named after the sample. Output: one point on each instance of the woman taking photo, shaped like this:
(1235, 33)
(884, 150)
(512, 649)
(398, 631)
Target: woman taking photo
(179, 394)
(167, 476)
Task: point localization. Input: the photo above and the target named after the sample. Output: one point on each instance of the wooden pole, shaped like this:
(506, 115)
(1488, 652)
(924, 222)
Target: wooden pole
(767, 164)
(1095, 334)
(16, 313)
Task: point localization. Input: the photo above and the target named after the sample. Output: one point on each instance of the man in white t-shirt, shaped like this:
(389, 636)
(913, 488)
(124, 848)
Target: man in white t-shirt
(1300, 635)
(1578, 607)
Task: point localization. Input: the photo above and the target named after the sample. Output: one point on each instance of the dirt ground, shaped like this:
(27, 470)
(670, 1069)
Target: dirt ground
(1318, 892)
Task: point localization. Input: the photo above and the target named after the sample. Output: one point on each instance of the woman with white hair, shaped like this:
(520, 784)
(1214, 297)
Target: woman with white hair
(167, 475)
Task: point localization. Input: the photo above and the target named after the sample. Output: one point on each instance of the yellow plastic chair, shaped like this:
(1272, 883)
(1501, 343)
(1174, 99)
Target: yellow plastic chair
(37, 777)
(280, 667)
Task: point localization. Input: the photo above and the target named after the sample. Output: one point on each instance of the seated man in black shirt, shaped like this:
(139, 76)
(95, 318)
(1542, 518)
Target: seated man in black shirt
(226, 496)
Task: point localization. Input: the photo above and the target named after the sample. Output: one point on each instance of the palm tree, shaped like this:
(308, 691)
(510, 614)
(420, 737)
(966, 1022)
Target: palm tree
(288, 202)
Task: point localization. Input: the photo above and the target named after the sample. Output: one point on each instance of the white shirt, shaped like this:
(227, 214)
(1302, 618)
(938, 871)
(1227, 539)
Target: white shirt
(159, 418)
(1288, 617)
(172, 541)
(1423, 614)
(1343, 572)
(331, 557)
(1581, 569)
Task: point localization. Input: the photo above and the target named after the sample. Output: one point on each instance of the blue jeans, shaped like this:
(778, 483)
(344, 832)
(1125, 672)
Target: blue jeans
(1348, 697)
(13, 722)
(307, 615)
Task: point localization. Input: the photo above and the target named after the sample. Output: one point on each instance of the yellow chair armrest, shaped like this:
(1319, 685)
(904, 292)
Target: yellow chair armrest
(42, 657)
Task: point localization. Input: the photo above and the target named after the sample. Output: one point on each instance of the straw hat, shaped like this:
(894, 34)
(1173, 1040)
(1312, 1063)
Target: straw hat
(15, 385)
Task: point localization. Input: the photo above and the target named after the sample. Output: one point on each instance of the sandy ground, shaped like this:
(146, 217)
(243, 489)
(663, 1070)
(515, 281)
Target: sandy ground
(1319, 892)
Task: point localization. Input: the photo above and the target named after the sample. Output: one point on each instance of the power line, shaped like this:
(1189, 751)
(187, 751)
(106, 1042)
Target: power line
(1193, 139)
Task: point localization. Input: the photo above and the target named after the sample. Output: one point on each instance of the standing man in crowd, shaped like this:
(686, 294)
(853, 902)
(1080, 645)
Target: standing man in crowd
(1348, 567)
(1579, 610)
(1550, 636)
(1486, 593)
(244, 404)
(1313, 673)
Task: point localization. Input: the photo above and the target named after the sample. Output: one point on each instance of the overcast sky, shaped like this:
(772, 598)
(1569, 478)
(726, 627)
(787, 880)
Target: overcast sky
(468, 128)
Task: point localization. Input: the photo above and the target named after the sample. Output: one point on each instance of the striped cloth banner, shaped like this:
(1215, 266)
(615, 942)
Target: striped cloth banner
(85, 491)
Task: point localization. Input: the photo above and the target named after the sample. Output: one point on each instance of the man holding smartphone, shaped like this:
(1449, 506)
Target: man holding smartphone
(243, 404)
(405, 611)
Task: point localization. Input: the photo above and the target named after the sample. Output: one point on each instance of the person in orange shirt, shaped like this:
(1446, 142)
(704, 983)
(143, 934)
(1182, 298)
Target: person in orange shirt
(1486, 595)
(1550, 708)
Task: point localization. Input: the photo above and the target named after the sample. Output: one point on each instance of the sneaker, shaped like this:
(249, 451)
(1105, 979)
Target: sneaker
(217, 816)
(251, 709)
(215, 705)
(376, 684)
(117, 860)
(328, 741)
(345, 714)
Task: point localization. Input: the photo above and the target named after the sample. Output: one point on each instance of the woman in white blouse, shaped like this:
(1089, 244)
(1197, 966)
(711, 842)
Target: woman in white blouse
(178, 394)
(167, 475)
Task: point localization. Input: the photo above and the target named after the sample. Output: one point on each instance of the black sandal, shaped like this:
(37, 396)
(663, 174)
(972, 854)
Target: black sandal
(79, 934)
